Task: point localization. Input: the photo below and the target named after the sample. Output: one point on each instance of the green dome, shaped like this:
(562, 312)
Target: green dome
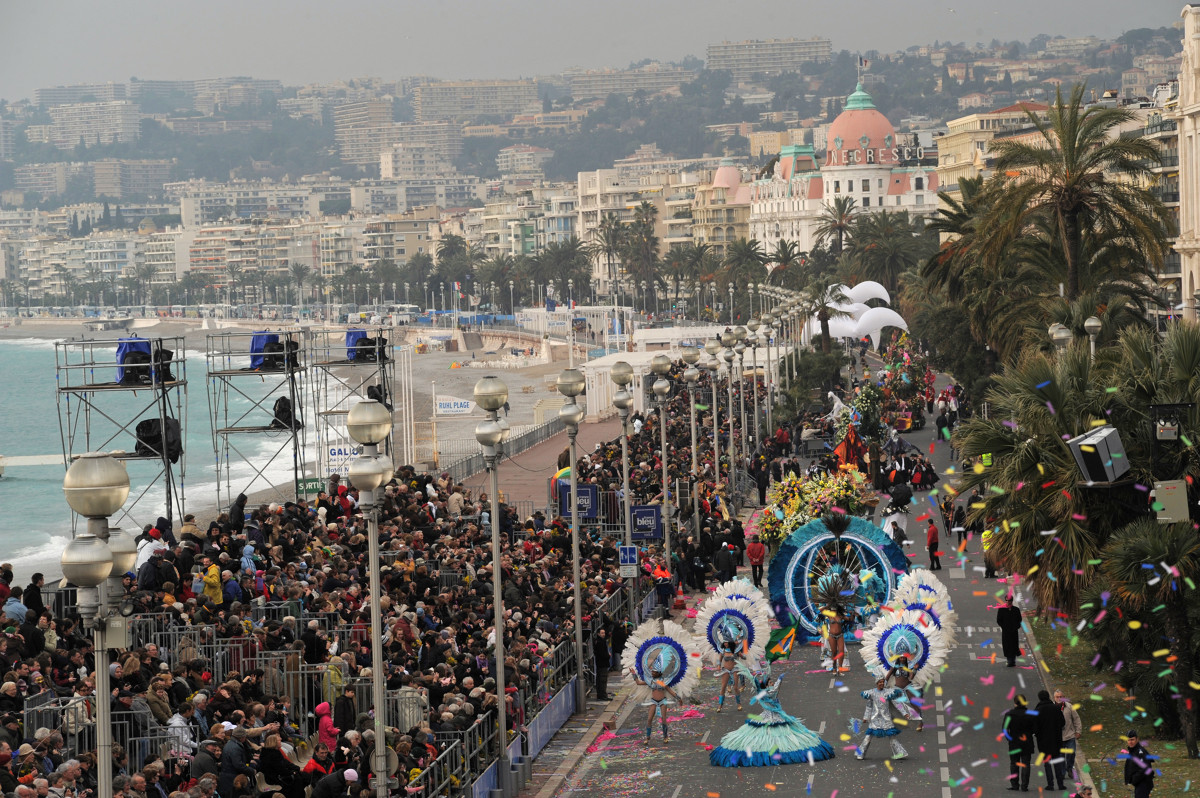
(859, 100)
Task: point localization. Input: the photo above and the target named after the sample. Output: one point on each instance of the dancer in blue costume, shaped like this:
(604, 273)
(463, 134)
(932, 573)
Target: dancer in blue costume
(772, 738)
(877, 718)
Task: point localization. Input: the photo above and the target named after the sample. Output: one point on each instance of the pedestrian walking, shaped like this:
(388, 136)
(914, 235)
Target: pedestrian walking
(1139, 766)
(1008, 618)
(931, 541)
(603, 662)
(1019, 730)
(1072, 731)
(723, 562)
(1050, 726)
(756, 552)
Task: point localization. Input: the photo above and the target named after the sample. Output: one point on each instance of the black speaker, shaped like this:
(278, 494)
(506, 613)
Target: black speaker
(137, 369)
(285, 416)
(162, 366)
(150, 439)
(376, 392)
(371, 350)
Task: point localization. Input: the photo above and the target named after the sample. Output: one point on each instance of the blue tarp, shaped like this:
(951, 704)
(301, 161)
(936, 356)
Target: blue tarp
(353, 336)
(260, 339)
(127, 345)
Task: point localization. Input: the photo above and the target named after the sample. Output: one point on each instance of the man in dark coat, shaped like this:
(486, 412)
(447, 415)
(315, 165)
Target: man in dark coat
(723, 562)
(344, 711)
(207, 761)
(235, 761)
(1139, 766)
(603, 662)
(1019, 730)
(334, 784)
(1008, 618)
(1050, 723)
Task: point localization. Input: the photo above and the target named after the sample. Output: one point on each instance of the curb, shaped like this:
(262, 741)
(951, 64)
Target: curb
(1035, 653)
(609, 719)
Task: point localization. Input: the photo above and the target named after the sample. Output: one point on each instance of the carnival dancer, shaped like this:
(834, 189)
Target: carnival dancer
(729, 674)
(771, 738)
(662, 655)
(659, 690)
(836, 622)
(901, 675)
(877, 718)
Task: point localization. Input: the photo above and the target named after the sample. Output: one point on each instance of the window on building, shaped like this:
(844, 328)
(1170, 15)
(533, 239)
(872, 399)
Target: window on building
(866, 185)
(837, 186)
(920, 184)
(866, 202)
(920, 199)
(880, 184)
(897, 200)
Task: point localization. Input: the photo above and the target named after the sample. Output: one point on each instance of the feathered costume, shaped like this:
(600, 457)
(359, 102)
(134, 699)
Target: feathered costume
(909, 644)
(923, 592)
(834, 593)
(741, 588)
(771, 738)
(740, 620)
(664, 648)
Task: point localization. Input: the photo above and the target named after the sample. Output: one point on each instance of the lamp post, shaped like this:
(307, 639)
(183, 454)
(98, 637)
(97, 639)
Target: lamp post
(512, 305)
(769, 321)
(622, 375)
(753, 340)
(570, 384)
(532, 293)
(728, 356)
(369, 423)
(490, 394)
(739, 349)
(691, 375)
(731, 303)
(1060, 335)
(96, 485)
(1093, 326)
(712, 346)
(660, 365)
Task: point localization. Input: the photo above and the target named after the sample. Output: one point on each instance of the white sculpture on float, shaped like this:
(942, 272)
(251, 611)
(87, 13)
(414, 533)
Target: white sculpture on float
(860, 319)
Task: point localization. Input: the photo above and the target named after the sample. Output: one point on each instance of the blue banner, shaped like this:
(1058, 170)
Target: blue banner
(589, 501)
(647, 521)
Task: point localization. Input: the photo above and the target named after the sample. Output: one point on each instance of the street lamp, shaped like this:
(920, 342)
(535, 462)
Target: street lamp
(532, 293)
(769, 326)
(712, 346)
(490, 394)
(691, 375)
(1093, 326)
(660, 365)
(1060, 335)
(570, 292)
(96, 486)
(622, 374)
(753, 339)
(570, 384)
(728, 357)
(369, 423)
(731, 303)
(739, 349)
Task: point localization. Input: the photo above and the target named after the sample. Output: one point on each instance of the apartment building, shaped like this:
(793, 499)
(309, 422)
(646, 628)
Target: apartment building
(201, 202)
(524, 159)
(168, 251)
(44, 179)
(403, 161)
(1162, 129)
(363, 130)
(397, 238)
(8, 139)
(78, 93)
(466, 99)
(443, 139)
(112, 122)
(767, 56)
(721, 209)
(964, 150)
(650, 79)
(1073, 48)
(122, 178)
(398, 196)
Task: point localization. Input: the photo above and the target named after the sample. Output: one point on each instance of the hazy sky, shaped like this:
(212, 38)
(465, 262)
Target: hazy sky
(52, 42)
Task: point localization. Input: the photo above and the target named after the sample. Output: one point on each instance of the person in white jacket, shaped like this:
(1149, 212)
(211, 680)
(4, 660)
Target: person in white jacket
(179, 730)
(146, 548)
(1072, 731)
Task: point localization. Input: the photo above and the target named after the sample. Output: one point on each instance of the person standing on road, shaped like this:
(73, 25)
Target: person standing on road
(1008, 618)
(1072, 731)
(756, 552)
(931, 541)
(603, 661)
(1019, 731)
(723, 562)
(1050, 725)
(1139, 766)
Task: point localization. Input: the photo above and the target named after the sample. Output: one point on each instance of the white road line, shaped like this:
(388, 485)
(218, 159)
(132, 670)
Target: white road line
(821, 728)
(811, 776)
(678, 789)
(832, 682)
(945, 776)
(943, 756)
(945, 792)
(704, 739)
(941, 738)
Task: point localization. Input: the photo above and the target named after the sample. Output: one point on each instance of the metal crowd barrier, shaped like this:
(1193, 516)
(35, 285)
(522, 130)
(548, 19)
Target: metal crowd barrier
(469, 466)
(445, 775)
(477, 743)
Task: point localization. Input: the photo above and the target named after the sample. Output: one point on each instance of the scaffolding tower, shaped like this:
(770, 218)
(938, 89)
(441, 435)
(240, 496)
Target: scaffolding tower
(256, 395)
(128, 396)
(349, 366)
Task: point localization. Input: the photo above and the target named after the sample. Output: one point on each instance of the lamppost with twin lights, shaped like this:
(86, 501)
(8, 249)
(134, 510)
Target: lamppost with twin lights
(753, 340)
(727, 355)
(570, 384)
(712, 346)
(490, 394)
(622, 374)
(660, 366)
(691, 375)
(96, 486)
(739, 349)
(370, 423)
(769, 323)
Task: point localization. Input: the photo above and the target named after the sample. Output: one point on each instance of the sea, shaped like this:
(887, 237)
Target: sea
(36, 521)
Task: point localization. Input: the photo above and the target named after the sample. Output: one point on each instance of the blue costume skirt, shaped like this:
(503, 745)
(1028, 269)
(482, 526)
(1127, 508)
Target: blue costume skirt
(759, 744)
(892, 732)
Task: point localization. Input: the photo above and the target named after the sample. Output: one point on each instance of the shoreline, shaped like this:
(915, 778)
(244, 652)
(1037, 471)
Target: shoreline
(526, 384)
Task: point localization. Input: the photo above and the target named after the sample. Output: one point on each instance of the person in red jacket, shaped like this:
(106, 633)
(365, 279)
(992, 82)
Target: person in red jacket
(931, 540)
(756, 552)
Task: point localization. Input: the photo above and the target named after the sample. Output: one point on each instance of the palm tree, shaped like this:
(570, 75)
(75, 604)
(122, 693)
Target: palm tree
(836, 221)
(823, 298)
(787, 258)
(1173, 553)
(609, 243)
(886, 244)
(744, 264)
(641, 245)
(233, 273)
(144, 273)
(1065, 179)
(93, 273)
(385, 272)
(450, 247)
(300, 273)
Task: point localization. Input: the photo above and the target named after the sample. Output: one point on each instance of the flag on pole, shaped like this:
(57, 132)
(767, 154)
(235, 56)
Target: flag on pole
(781, 643)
